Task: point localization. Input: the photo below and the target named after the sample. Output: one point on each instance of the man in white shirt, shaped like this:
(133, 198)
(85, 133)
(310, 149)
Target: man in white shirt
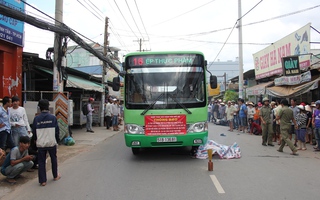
(89, 115)
(108, 114)
(115, 112)
(18, 121)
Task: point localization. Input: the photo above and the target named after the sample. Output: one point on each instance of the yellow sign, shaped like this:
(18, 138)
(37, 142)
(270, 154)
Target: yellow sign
(213, 92)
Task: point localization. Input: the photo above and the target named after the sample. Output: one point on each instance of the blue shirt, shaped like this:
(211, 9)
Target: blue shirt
(4, 119)
(242, 110)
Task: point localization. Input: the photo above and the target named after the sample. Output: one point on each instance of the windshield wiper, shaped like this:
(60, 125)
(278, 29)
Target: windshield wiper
(152, 104)
(180, 104)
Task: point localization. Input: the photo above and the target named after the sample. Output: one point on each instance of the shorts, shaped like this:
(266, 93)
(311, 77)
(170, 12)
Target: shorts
(292, 131)
(114, 120)
(243, 121)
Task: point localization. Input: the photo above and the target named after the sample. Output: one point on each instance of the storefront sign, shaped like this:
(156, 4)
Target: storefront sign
(11, 30)
(165, 124)
(268, 62)
(290, 66)
(293, 80)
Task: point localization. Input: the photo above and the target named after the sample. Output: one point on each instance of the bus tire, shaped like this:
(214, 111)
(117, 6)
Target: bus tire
(135, 151)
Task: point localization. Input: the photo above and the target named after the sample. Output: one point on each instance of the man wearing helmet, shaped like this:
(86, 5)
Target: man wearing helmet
(316, 124)
(266, 123)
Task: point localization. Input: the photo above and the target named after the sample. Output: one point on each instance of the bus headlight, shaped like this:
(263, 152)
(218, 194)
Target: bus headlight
(198, 127)
(134, 129)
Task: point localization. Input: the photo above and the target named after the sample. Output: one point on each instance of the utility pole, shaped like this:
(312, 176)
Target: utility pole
(57, 81)
(140, 44)
(104, 71)
(240, 51)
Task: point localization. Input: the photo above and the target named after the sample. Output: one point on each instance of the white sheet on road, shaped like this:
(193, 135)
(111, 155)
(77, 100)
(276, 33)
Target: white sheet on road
(223, 151)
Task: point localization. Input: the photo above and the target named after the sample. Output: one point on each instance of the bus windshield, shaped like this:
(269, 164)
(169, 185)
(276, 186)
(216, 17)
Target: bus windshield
(166, 87)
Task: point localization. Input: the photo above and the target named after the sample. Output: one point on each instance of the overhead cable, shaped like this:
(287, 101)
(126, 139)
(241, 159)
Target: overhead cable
(125, 18)
(232, 31)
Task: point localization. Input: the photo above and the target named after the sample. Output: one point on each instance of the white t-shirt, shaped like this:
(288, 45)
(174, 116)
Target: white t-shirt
(251, 112)
(19, 117)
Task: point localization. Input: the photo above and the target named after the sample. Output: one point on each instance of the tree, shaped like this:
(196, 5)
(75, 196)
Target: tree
(230, 95)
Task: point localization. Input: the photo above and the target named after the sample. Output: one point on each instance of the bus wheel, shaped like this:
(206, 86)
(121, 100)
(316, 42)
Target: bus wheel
(194, 150)
(135, 151)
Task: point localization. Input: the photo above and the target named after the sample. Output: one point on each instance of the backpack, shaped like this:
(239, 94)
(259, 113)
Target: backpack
(85, 109)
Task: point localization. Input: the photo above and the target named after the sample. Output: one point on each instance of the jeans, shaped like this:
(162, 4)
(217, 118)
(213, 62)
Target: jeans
(114, 120)
(301, 134)
(317, 136)
(42, 156)
(6, 140)
(13, 171)
(89, 123)
(209, 116)
(236, 121)
(17, 132)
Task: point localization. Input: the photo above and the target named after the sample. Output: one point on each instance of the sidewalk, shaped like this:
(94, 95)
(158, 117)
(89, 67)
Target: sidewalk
(84, 141)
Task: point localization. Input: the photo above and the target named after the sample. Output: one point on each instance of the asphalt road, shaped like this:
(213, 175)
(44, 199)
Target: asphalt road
(110, 171)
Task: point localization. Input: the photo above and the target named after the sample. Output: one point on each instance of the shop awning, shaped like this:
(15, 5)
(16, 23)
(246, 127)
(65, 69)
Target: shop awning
(78, 82)
(288, 91)
(258, 89)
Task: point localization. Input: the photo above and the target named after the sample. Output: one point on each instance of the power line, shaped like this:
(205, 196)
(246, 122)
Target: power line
(142, 23)
(124, 18)
(232, 31)
(89, 10)
(253, 23)
(57, 21)
(95, 8)
(184, 13)
(134, 19)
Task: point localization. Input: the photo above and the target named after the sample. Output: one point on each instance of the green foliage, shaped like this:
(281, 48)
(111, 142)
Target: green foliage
(230, 95)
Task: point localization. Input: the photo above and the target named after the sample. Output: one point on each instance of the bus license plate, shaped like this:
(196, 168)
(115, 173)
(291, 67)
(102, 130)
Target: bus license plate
(166, 139)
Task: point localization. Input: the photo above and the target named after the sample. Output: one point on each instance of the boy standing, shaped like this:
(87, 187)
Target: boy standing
(46, 131)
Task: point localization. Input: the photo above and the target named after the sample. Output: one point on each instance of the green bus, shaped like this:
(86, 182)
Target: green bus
(165, 101)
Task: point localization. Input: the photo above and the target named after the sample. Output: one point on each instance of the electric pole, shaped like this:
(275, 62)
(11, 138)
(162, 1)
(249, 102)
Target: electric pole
(240, 51)
(57, 80)
(140, 44)
(104, 71)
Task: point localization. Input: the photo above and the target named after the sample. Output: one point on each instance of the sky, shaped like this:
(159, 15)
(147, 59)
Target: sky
(208, 26)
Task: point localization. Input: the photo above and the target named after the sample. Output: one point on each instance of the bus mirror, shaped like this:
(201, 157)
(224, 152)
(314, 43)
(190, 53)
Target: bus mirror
(213, 82)
(116, 84)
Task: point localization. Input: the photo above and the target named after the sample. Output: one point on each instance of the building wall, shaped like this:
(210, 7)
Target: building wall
(10, 69)
(218, 68)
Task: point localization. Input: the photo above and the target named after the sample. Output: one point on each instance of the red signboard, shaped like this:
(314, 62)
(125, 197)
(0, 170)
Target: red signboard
(165, 124)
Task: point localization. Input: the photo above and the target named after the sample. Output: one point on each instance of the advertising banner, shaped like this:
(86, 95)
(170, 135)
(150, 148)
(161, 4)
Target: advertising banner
(268, 62)
(165, 124)
(293, 80)
(11, 30)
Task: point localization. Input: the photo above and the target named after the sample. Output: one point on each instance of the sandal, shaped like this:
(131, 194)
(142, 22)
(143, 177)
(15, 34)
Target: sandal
(11, 180)
(57, 178)
(43, 184)
(294, 153)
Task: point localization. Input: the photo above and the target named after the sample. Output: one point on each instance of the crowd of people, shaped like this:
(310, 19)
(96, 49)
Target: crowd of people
(113, 114)
(276, 121)
(23, 149)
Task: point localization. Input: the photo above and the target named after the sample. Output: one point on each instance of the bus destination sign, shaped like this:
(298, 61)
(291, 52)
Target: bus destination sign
(164, 60)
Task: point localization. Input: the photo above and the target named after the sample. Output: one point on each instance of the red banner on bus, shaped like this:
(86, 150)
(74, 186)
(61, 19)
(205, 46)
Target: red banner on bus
(165, 124)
